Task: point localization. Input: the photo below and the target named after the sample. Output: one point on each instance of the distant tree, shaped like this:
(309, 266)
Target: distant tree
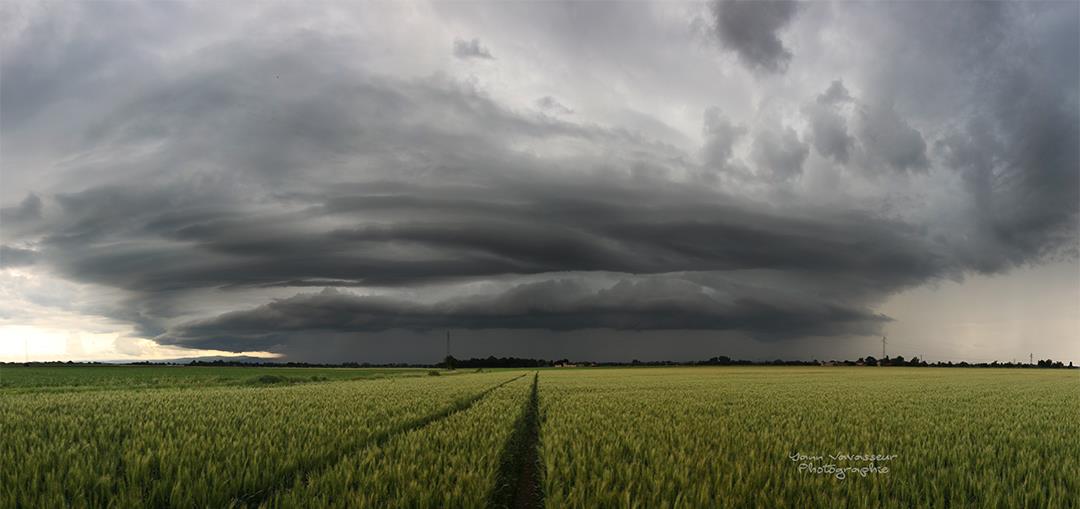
(870, 360)
(897, 361)
(449, 362)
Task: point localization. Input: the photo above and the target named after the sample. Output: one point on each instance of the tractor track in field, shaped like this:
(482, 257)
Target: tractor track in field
(257, 498)
(518, 483)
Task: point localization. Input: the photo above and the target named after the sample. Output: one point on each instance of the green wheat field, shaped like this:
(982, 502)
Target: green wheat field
(770, 437)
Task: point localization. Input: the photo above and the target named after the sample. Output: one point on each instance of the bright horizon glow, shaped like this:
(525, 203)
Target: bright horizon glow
(1029, 311)
(19, 343)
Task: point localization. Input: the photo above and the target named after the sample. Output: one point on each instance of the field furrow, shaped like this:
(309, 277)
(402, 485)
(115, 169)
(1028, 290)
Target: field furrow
(780, 437)
(726, 438)
(518, 483)
(453, 462)
(204, 448)
(259, 497)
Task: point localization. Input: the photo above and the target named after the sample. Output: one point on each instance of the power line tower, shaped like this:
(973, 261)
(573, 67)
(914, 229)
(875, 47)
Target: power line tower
(448, 361)
(1031, 359)
(884, 341)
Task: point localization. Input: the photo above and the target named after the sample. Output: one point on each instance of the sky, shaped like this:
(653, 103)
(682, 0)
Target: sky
(589, 180)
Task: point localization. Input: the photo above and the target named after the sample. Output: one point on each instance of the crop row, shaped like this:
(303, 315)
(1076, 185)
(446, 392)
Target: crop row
(725, 438)
(709, 437)
(202, 448)
(450, 463)
(62, 378)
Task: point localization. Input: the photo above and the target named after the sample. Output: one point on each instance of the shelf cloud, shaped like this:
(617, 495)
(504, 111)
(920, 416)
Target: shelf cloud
(238, 190)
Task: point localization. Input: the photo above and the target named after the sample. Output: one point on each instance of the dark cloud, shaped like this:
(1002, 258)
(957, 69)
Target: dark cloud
(828, 127)
(829, 133)
(1019, 162)
(721, 134)
(29, 209)
(836, 93)
(420, 233)
(886, 135)
(559, 304)
(212, 199)
(886, 140)
(164, 239)
(550, 104)
(15, 257)
(749, 28)
(466, 49)
(779, 153)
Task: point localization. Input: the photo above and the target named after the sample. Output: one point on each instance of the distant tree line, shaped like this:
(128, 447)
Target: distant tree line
(499, 362)
(723, 360)
(270, 364)
(517, 362)
(899, 360)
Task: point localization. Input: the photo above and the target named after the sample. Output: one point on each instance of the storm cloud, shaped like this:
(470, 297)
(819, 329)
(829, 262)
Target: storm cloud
(779, 153)
(471, 49)
(749, 28)
(828, 126)
(557, 305)
(249, 191)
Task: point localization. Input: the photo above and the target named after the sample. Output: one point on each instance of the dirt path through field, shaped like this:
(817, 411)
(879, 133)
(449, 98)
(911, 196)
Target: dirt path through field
(518, 482)
(257, 498)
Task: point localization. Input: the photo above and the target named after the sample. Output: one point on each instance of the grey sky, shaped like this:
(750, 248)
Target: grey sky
(584, 180)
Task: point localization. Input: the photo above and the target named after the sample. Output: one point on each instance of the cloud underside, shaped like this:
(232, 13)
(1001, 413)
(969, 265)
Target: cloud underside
(265, 173)
(466, 49)
(556, 305)
(750, 29)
